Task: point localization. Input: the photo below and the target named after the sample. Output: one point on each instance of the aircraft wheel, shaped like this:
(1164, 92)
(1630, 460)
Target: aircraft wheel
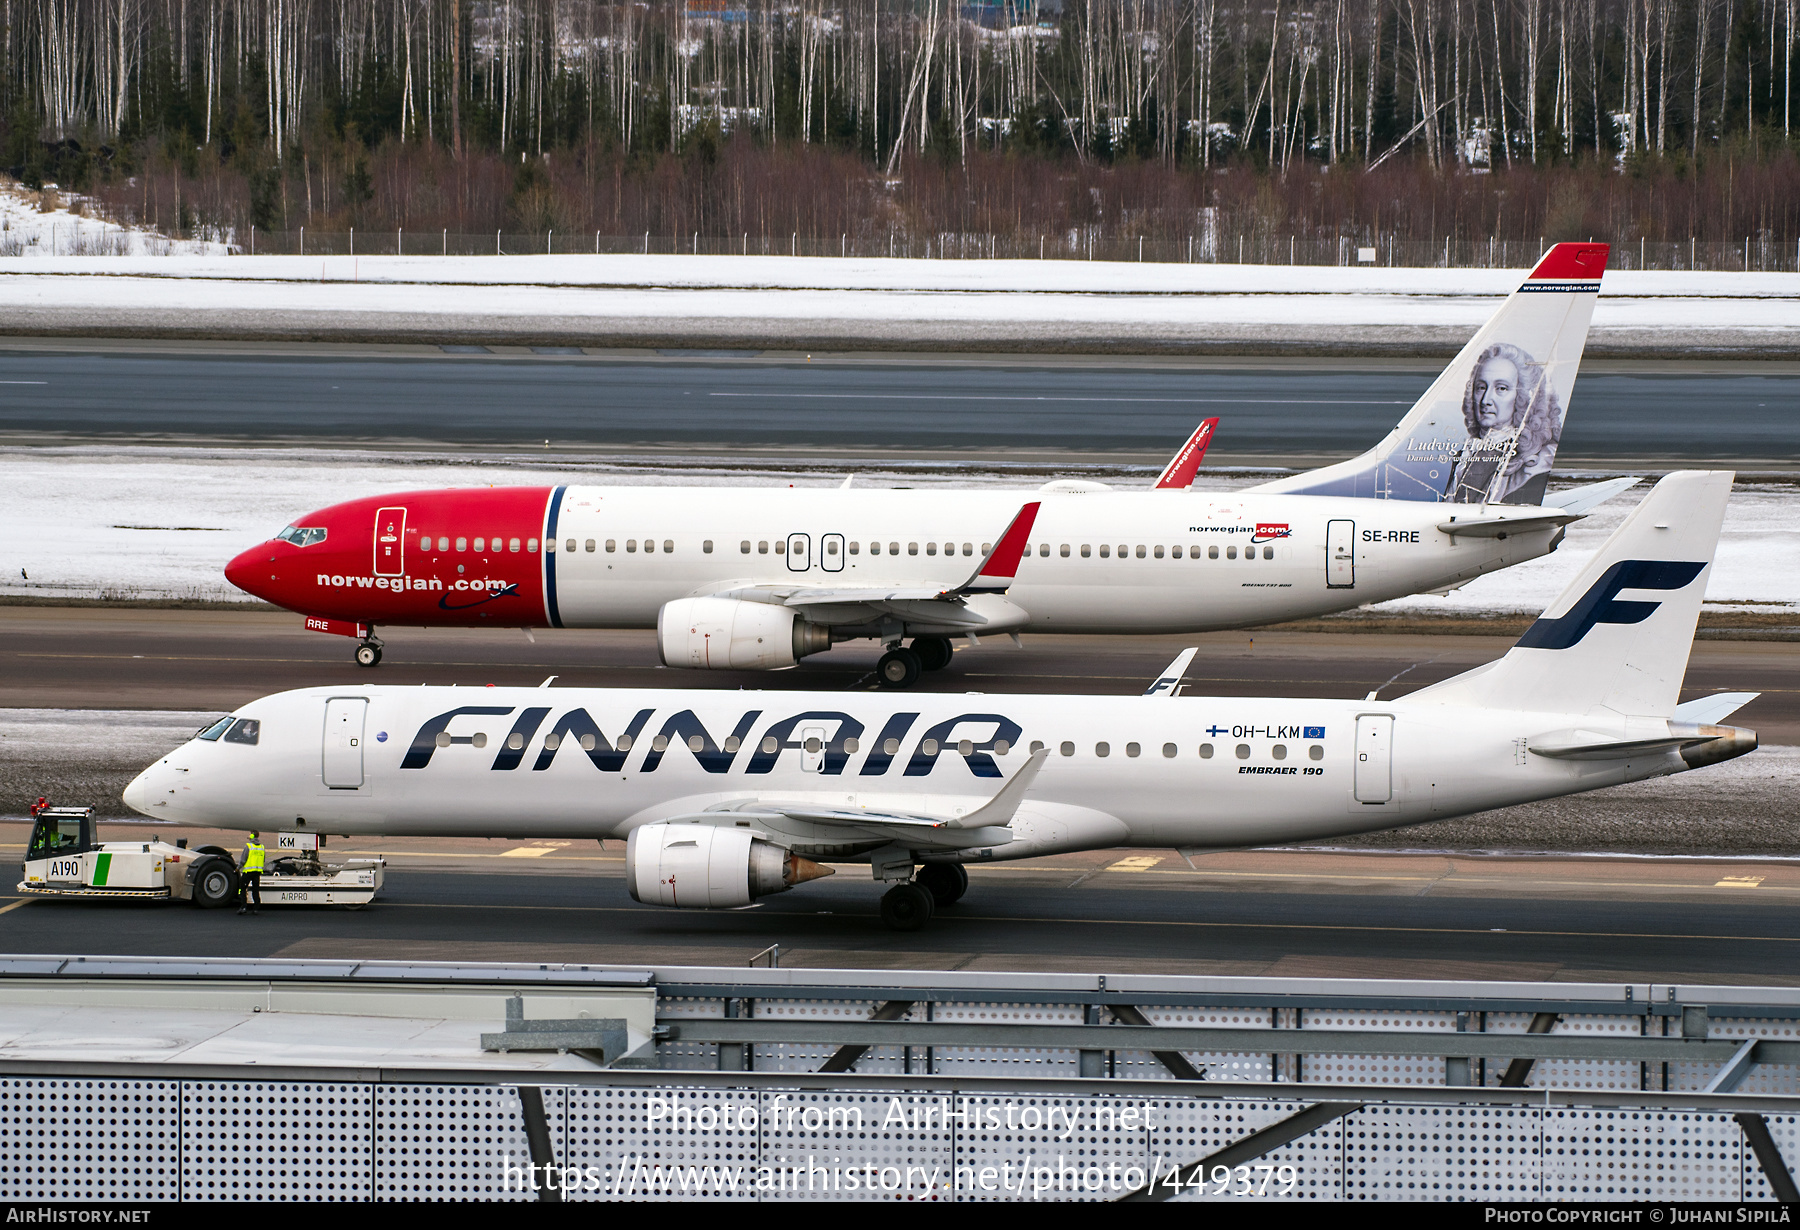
(906, 907)
(946, 882)
(934, 651)
(368, 655)
(215, 884)
(898, 668)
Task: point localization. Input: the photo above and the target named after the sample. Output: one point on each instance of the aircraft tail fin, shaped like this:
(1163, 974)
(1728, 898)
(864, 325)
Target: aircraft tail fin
(1487, 429)
(1615, 644)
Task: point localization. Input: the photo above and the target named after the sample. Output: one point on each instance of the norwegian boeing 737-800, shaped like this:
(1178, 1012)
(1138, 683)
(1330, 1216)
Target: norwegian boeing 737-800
(727, 796)
(747, 578)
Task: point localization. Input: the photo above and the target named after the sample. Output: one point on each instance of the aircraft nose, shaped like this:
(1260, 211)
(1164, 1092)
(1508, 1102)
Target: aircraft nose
(249, 572)
(137, 794)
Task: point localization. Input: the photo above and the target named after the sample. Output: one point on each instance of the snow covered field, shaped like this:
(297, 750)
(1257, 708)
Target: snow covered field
(28, 229)
(146, 522)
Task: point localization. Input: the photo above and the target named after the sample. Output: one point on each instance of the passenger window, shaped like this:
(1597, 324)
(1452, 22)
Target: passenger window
(244, 730)
(706, 547)
(854, 547)
(1133, 750)
(1065, 550)
(649, 546)
(1102, 750)
(1168, 751)
(987, 549)
(480, 544)
(831, 546)
(631, 545)
(462, 544)
(443, 544)
(852, 746)
(1001, 747)
(1159, 550)
(732, 744)
(570, 546)
(894, 549)
(590, 546)
(929, 747)
(781, 546)
(1268, 552)
(1212, 553)
(912, 548)
(1105, 550)
(891, 747)
(1243, 751)
(1230, 552)
(612, 544)
(762, 548)
(1037, 745)
(1206, 751)
(965, 747)
(1140, 551)
(660, 743)
(769, 745)
(1280, 751)
(531, 545)
(744, 546)
(1124, 550)
(968, 548)
(1315, 752)
(874, 548)
(668, 546)
(1067, 749)
(931, 548)
(1086, 551)
(1044, 550)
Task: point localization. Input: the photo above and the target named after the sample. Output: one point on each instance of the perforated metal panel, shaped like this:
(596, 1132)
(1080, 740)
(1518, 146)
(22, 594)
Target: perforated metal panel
(670, 1143)
(834, 1145)
(1641, 1155)
(1778, 1079)
(1052, 1148)
(457, 1142)
(70, 1139)
(1189, 1130)
(1586, 1073)
(1218, 1065)
(243, 1140)
(1004, 1060)
(807, 1057)
(1442, 1153)
(1784, 1130)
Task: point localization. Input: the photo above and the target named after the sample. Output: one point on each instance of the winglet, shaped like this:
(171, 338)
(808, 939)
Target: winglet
(999, 809)
(997, 571)
(1178, 475)
(1166, 682)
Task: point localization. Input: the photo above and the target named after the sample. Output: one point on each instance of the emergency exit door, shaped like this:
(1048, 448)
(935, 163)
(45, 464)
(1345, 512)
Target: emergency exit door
(343, 765)
(1374, 758)
(1340, 555)
(799, 552)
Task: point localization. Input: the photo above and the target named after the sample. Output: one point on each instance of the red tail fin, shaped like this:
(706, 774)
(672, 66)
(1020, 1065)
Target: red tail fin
(1179, 473)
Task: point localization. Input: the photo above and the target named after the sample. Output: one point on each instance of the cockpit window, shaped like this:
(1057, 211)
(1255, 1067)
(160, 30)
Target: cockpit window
(302, 536)
(244, 730)
(215, 730)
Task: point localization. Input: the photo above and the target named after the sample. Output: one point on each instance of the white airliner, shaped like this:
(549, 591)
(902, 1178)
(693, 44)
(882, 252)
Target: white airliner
(727, 796)
(755, 579)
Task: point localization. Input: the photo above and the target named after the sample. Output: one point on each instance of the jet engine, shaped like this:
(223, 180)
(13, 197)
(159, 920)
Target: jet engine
(703, 866)
(730, 634)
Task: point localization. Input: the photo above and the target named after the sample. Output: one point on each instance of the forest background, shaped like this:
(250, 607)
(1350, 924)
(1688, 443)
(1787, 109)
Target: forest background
(1350, 120)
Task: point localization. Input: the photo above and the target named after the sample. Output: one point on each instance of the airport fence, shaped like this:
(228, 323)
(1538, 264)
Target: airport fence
(781, 1084)
(1749, 254)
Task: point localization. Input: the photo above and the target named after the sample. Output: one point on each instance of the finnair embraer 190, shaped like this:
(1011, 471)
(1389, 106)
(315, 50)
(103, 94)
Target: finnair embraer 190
(753, 579)
(727, 796)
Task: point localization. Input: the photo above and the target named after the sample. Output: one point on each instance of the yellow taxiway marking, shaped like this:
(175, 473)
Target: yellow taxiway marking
(527, 852)
(15, 905)
(1137, 862)
(1739, 882)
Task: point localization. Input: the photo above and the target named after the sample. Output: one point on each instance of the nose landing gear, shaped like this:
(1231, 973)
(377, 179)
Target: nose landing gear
(369, 653)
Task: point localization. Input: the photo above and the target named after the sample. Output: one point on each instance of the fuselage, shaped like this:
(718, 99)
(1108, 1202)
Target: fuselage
(1200, 772)
(1097, 562)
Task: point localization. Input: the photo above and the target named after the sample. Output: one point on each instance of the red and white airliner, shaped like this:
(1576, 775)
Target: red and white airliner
(748, 578)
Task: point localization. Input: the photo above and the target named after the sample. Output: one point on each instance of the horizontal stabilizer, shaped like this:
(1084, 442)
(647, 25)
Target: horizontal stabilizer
(1711, 710)
(1586, 499)
(1698, 744)
(1501, 527)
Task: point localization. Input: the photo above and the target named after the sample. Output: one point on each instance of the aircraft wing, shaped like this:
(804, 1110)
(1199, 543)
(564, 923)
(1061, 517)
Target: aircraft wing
(946, 604)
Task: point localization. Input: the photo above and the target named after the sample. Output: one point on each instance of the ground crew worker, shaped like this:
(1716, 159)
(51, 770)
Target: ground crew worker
(250, 869)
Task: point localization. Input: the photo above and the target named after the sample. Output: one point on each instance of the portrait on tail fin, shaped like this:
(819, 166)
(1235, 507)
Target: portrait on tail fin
(1514, 423)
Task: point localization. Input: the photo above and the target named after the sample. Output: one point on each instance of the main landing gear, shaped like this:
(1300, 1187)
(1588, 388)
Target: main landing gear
(908, 907)
(369, 653)
(901, 666)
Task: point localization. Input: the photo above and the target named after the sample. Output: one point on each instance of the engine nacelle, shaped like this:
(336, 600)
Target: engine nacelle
(719, 634)
(704, 866)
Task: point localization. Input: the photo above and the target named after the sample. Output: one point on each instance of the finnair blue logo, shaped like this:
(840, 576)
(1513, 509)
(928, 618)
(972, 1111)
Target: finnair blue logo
(1601, 603)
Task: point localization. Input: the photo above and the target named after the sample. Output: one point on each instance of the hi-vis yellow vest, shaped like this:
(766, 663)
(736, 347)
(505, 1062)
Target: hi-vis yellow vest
(253, 856)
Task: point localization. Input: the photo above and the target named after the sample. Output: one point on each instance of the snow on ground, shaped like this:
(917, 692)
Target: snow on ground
(29, 229)
(613, 288)
(147, 522)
